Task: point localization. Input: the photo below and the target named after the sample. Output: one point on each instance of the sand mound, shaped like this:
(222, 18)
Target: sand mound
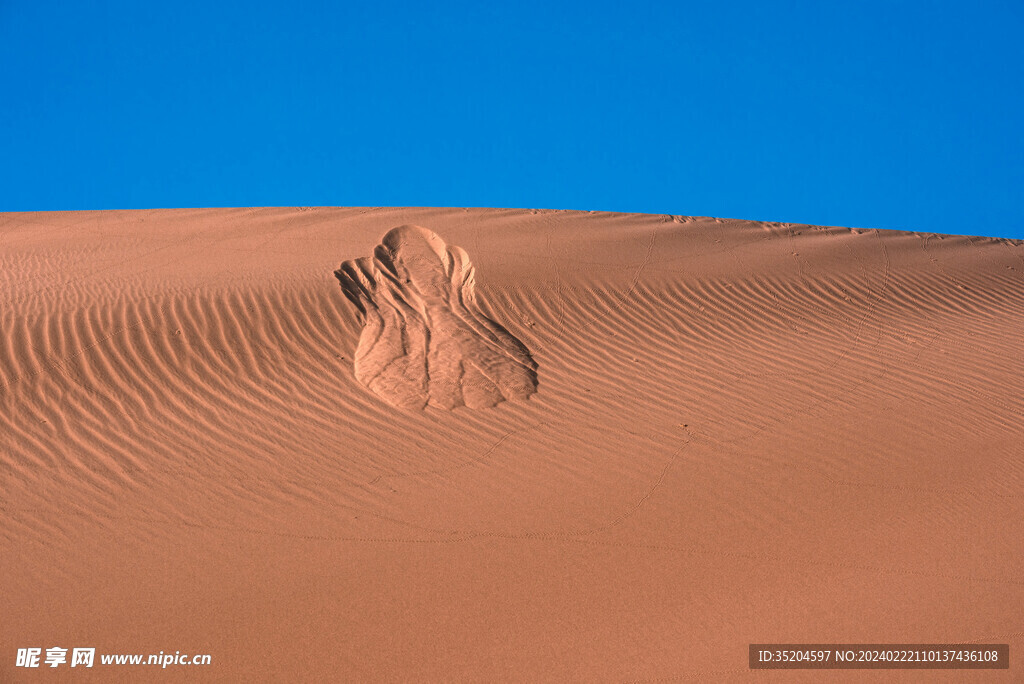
(424, 340)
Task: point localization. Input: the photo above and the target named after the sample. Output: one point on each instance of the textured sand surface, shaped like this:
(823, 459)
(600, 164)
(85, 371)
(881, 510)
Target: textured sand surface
(717, 433)
(424, 341)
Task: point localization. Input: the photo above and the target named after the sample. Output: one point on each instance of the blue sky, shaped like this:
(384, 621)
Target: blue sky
(902, 115)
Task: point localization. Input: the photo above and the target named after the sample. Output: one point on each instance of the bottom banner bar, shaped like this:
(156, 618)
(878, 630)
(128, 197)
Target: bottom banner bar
(879, 656)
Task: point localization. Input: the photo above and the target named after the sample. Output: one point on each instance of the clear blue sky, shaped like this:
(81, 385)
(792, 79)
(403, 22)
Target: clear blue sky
(880, 114)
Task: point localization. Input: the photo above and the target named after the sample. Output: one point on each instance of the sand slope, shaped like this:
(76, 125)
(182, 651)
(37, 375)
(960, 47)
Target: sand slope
(722, 432)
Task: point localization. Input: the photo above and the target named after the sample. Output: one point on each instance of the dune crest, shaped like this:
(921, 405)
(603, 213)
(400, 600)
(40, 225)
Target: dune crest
(424, 341)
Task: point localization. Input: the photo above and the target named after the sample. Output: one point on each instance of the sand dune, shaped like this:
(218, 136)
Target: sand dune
(718, 432)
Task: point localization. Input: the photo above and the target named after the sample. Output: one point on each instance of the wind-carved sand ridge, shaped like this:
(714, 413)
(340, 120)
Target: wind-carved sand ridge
(424, 341)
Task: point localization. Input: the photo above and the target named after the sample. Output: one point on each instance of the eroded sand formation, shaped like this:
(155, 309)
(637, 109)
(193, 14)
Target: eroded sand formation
(424, 341)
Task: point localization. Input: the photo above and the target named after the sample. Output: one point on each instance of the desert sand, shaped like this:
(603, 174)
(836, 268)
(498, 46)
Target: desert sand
(503, 445)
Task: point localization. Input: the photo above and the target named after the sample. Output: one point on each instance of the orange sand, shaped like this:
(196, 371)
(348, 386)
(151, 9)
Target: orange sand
(741, 432)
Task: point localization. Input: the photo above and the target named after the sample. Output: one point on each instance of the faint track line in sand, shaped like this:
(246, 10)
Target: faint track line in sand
(458, 535)
(443, 536)
(642, 500)
(929, 490)
(444, 470)
(455, 537)
(559, 297)
(877, 298)
(634, 282)
(989, 639)
(878, 569)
